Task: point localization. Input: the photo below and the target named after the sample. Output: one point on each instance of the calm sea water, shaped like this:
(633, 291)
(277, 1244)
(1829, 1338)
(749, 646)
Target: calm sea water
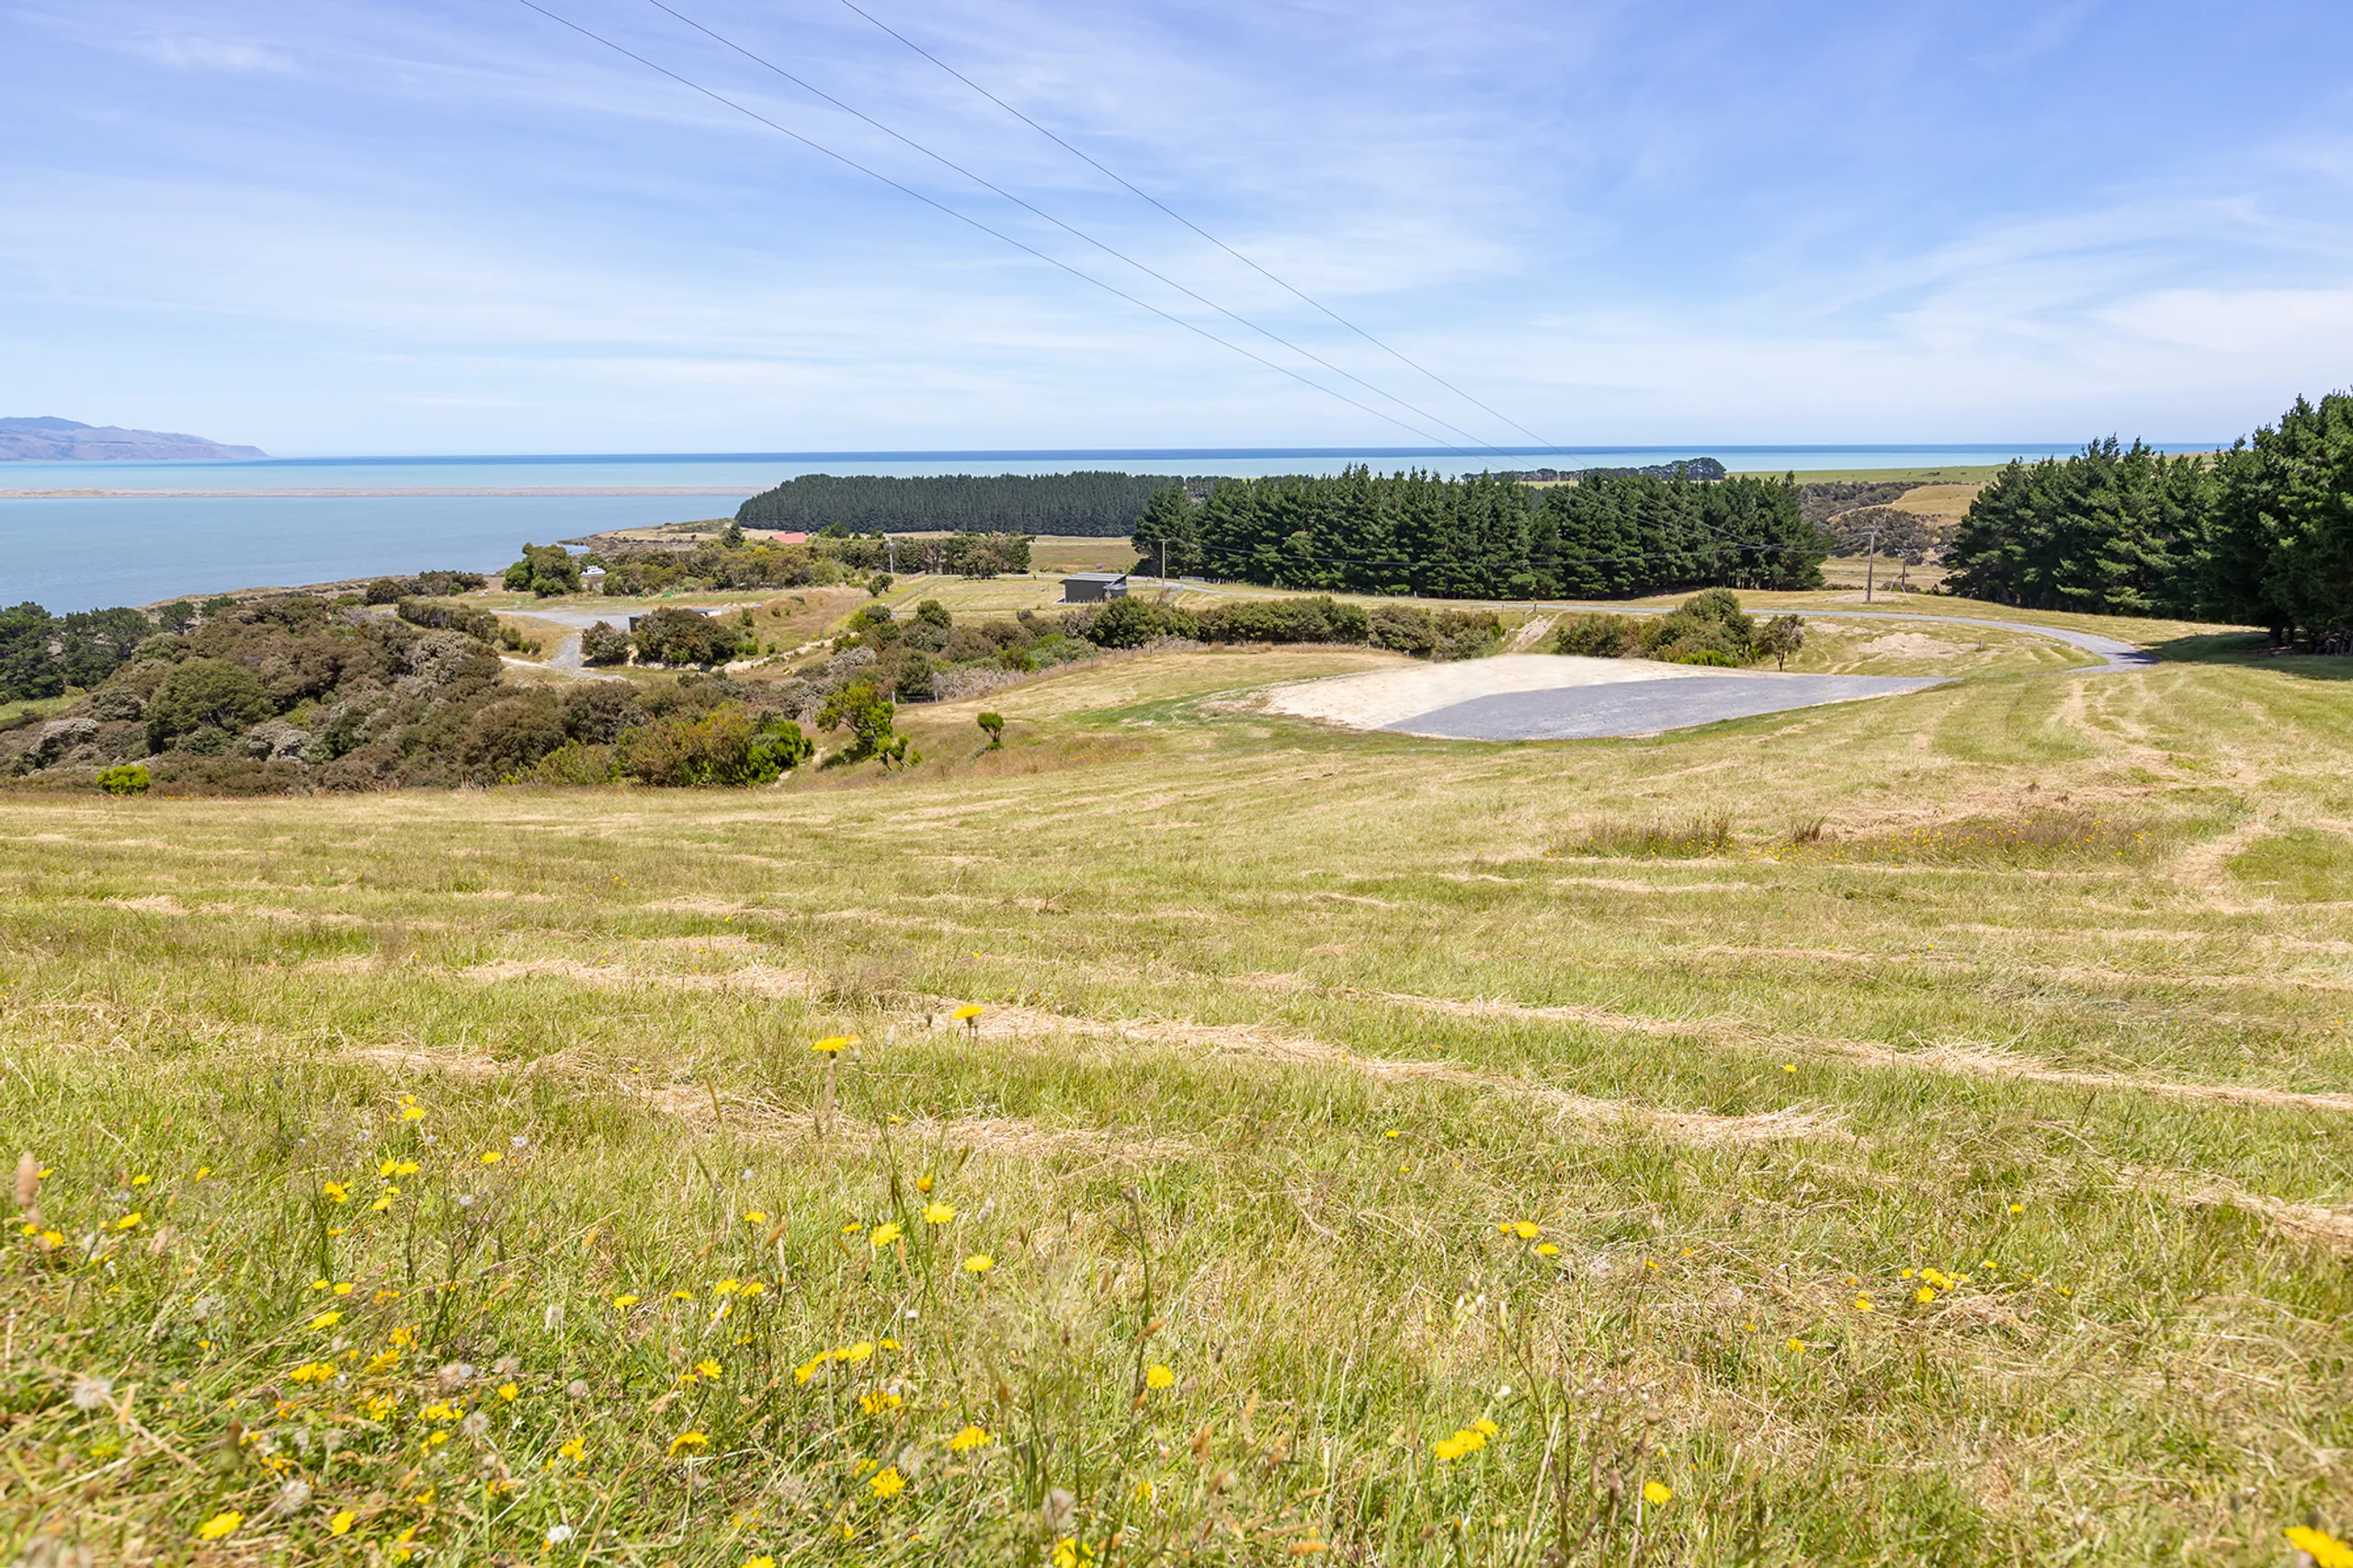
(82, 552)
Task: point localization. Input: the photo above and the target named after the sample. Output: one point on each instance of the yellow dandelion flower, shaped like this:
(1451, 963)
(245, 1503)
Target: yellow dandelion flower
(1789, 1066)
(1924, 1295)
(1159, 1376)
(707, 1367)
(1526, 1230)
(882, 1235)
(924, 1183)
(761, 1562)
(834, 1045)
(140, 1180)
(412, 1113)
(337, 1191)
(2018, 1208)
(688, 1442)
(510, 1393)
(491, 1156)
(1547, 1249)
(312, 1372)
(751, 1287)
(979, 1263)
(1657, 1493)
(327, 1319)
(1796, 1345)
(1862, 1303)
(888, 1483)
(624, 1301)
(965, 1441)
(878, 1401)
(2320, 1546)
(1485, 1427)
(201, 1171)
(577, 1449)
(755, 1216)
(854, 1352)
(938, 1213)
(219, 1527)
(342, 1522)
(968, 1012)
(129, 1221)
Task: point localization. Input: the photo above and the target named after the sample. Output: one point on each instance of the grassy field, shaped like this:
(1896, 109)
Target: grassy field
(1908, 1132)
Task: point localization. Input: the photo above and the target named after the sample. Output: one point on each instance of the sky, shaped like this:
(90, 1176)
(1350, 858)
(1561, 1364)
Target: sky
(460, 226)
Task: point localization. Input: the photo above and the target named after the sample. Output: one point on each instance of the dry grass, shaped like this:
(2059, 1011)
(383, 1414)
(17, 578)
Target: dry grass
(1279, 1025)
(1693, 837)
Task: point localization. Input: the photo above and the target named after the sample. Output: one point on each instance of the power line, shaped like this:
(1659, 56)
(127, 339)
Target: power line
(1212, 239)
(1032, 208)
(848, 162)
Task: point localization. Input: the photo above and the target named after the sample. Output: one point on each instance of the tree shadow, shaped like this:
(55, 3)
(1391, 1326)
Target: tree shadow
(2253, 650)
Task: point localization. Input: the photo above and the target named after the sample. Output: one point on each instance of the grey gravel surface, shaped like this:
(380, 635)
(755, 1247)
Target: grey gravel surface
(1641, 708)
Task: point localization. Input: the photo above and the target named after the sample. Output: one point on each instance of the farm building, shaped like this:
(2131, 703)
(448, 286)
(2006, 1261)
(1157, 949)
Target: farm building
(1094, 587)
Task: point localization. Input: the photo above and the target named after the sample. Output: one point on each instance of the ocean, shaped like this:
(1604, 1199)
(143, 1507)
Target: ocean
(80, 536)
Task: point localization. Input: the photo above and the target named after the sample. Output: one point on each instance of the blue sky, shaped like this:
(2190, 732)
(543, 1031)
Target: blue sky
(335, 226)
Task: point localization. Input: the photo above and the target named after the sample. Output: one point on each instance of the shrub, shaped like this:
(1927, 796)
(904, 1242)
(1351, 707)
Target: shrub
(443, 615)
(573, 763)
(204, 694)
(1709, 628)
(425, 585)
(604, 643)
(1780, 637)
(869, 717)
(724, 747)
(1402, 628)
(992, 726)
(1597, 637)
(506, 736)
(545, 570)
(1318, 620)
(1467, 633)
(911, 677)
(1131, 623)
(128, 779)
(674, 636)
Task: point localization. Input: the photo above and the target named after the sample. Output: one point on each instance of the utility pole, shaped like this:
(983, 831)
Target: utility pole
(1871, 559)
(1164, 561)
(891, 545)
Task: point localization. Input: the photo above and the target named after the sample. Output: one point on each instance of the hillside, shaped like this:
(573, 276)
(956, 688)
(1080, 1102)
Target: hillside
(1908, 1132)
(65, 440)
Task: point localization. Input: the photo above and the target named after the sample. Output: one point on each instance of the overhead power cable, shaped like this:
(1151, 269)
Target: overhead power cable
(1114, 175)
(1033, 209)
(967, 219)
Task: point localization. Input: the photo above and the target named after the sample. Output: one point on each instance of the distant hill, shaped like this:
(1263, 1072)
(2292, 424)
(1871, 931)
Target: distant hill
(66, 440)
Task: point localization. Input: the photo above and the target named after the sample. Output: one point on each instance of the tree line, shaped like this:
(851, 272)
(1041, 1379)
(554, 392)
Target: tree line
(1097, 505)
(2260, 535)
(1484, 537)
